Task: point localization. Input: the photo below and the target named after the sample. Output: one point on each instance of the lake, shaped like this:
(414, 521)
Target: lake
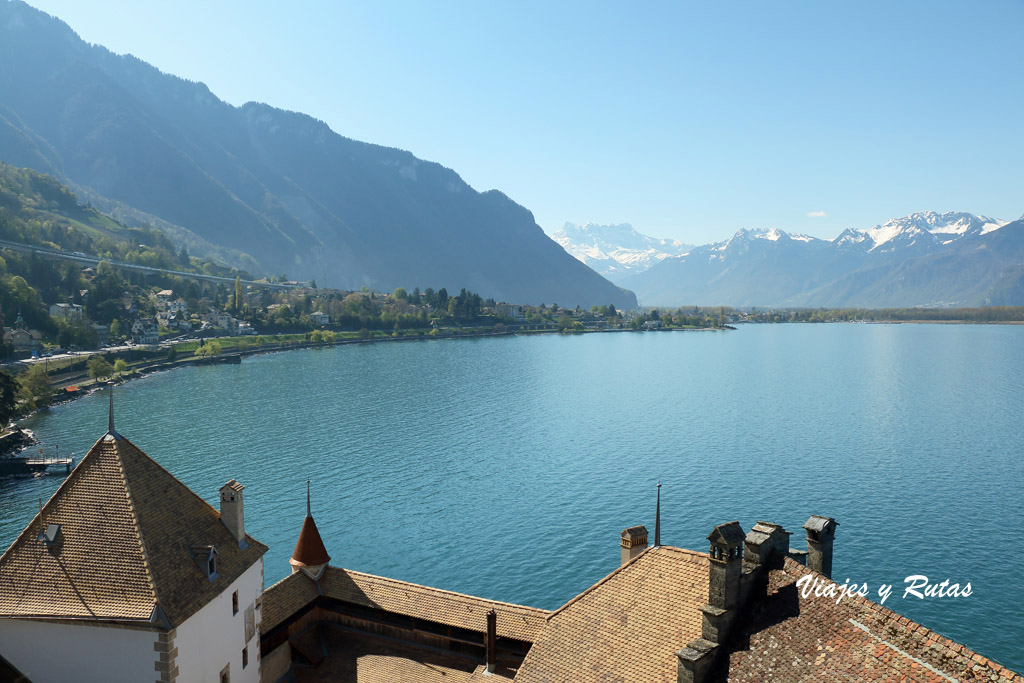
(506, 467)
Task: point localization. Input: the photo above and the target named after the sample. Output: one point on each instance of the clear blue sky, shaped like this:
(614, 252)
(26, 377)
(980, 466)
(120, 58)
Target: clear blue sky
(688, 120)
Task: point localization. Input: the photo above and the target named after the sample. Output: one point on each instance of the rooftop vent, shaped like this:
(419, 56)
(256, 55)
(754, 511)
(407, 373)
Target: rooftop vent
(51, 535)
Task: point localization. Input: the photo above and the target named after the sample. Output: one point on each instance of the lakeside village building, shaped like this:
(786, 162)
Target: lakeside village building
(127, 575)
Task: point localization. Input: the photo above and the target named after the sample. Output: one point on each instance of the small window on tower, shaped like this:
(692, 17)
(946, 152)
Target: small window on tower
(225, 674)
(245, 657)
(234, 603)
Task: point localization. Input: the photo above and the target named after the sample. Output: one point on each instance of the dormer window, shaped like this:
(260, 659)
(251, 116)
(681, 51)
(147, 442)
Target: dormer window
(206, 557)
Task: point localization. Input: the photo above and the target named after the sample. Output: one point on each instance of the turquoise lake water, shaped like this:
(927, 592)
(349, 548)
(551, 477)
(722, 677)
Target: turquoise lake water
(506, 467)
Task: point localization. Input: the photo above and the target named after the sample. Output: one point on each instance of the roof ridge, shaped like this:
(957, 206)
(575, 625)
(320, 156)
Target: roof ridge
(135, 517)
(443, 590)
(620, 568)
(170, 474)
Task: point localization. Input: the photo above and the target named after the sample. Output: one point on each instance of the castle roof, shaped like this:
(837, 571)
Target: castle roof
(120, 544)
(289, 596)
(628, 626)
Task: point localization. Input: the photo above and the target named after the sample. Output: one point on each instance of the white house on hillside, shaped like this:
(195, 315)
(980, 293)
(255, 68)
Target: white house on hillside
(127, 575)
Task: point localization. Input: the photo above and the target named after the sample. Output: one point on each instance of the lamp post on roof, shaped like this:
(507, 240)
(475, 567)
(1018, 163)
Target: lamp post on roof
(110, 416)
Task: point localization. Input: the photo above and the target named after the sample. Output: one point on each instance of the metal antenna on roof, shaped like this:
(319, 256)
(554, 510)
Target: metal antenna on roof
(657, 520)
(110, 419)
(309, 512)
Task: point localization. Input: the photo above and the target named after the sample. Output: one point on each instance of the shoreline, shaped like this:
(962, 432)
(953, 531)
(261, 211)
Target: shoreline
(92, 386)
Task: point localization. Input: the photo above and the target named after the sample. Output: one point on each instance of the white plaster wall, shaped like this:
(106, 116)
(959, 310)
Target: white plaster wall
(213, 637)
(48, 652)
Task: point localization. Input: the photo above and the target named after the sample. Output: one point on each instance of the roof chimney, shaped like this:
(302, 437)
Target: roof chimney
(492, 641)
(231, 511)
(726, 564)
(821, 531)
(634, 542)
(726, 560)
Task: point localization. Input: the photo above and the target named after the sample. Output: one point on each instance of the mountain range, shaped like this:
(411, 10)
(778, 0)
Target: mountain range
(924, 259)
(616, 251)
(269, 190)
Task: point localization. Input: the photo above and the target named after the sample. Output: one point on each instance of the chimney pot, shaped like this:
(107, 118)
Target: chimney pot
(633, 541)
(821, 532)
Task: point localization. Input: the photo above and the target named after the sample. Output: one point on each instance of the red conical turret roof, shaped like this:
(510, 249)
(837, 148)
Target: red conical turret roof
(310, 550)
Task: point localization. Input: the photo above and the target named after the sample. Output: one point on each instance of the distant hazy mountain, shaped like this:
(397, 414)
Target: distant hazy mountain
(925, 259)
(616, 251)
(275, 185)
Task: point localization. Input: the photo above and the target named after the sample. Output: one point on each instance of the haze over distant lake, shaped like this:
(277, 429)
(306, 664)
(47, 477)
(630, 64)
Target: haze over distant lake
(506, 467)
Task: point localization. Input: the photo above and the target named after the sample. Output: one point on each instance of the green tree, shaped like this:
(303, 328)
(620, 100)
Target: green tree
(209, 349)
(400, 293)
(34, 386)
(8, 397)
(115, 329)
(99, 368)
(322, 336)
(120, 366)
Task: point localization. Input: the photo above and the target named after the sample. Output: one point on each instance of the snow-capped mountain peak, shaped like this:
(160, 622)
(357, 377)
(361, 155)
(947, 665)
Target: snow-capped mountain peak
(920, 228)
(616, 251)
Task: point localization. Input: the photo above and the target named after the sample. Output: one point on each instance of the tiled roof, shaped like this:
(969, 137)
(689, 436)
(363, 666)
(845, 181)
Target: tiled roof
(127, 530)
(309, 549)
(285, 598)
(626, 627)
(433, 604)
(288, 596)
(805, 640)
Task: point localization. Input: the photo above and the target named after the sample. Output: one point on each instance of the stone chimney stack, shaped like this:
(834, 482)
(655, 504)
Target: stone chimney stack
(634, 542)
(821, 531)
(231, 513)
(726, 562)
(766, 546)
(696, 661)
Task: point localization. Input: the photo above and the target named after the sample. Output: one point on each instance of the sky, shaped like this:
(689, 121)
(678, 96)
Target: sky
(687, 120)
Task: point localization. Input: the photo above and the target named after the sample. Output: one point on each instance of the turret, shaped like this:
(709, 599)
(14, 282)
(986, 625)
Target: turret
(310, 555)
